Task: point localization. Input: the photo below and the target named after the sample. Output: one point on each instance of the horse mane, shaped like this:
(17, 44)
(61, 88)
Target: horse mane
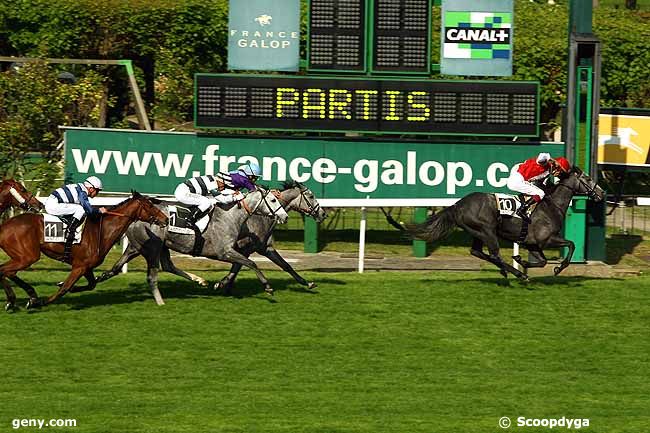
(134, 195)
(291, 184)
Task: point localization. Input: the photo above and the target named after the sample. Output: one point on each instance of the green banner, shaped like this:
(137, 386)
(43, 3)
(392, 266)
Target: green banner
(155, 162)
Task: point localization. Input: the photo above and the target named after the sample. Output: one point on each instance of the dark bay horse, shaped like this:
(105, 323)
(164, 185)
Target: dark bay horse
(22, 237)
(14, 194)
(256, 235)
(478, 215)
(220, 237)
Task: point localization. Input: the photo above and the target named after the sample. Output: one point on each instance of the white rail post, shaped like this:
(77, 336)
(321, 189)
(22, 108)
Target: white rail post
(125, 245)
(362, 238)
(515, 252)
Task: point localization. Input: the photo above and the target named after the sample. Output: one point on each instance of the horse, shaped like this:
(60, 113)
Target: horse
(256, 235)
(22, 238)
(12, 193)
(220, 236)
(478, 214)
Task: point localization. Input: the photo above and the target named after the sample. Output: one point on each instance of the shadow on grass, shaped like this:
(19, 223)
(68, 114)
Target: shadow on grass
(620, 245)
(136, 292)
(530, 285)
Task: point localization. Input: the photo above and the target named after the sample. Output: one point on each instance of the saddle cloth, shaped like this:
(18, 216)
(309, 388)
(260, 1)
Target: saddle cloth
(507, 204)
(178, 223)
(54, 229)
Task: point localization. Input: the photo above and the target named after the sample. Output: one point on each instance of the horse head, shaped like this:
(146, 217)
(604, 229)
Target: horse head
(264, 202)
(300, 198)
(20, 197)
(582, 184)
(147, 211)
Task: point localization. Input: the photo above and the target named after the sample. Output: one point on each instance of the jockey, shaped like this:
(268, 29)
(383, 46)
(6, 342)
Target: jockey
(222, 187)
(72, 200)
(534, 170)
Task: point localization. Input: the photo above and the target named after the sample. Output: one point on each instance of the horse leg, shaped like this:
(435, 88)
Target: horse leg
(18, 261)
(227, 282)
(152, 256)
(31, 292)
(276, 258)
(477, 251)
(169, 266)
(539, 255)
(234, 256)
(556, 241)
(69, 282)
(10, 305)
(490, 239)
(129, 254)
(92, 283)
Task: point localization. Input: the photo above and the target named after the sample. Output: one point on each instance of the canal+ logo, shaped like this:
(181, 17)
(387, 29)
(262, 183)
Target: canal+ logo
(477, 35)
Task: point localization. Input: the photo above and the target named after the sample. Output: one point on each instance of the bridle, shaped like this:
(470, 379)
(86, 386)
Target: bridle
(263, 194)
(591, 191)
(311, 211)
(23, 202)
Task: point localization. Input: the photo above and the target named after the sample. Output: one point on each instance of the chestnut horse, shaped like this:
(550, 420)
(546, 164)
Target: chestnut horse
(21, 238)
(14, 194)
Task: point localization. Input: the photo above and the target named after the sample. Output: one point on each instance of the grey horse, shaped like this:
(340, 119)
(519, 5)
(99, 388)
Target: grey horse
(220, 236)
(256, 236)
(257, 233)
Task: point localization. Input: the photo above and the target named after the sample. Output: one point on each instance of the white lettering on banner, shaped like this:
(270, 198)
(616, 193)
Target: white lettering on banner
(370, 180)
(411, 163)
(172, 161)
(281, 172)
(394, 173)
(294, 169)
(132, 159)
(453, 181)
(91, 158)
(437, 178)
(492, 174)
(324, 166)
(368, 175)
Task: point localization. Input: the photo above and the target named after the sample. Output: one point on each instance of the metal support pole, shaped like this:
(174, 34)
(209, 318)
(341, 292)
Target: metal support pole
(362, 238)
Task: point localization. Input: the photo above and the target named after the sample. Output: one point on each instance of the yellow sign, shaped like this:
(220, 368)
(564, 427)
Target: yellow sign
(623, 139)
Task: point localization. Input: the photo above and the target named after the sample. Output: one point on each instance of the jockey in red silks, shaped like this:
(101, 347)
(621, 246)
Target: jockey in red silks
(535, 170)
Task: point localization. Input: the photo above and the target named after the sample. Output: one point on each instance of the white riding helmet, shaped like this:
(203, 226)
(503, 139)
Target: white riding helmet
(94, 182)
(251, 169)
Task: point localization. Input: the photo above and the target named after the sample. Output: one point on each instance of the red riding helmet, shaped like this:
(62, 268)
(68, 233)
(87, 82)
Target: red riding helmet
(563, 163)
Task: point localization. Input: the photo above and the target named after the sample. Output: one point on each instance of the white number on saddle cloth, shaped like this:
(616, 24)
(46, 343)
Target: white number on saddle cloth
(54, 230)
(177, 223)
(507, 204)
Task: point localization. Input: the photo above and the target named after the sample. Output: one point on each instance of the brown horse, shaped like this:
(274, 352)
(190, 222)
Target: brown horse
(22, 237)
(14, 194)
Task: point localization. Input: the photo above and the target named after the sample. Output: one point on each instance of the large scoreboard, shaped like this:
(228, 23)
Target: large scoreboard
(370, 105)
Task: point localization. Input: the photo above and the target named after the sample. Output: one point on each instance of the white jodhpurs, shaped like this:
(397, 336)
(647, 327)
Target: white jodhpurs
(53, 207)
(185, 196)
(517, 183)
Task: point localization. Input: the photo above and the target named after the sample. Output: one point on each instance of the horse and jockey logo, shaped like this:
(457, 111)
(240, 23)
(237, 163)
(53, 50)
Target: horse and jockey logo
(264, 20)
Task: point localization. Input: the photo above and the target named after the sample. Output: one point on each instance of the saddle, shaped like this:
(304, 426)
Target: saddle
(509, 204)
(179, 221)
(55, 229)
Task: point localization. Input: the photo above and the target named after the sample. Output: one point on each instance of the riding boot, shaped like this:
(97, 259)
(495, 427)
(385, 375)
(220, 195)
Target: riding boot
(196, 215)
(523, 209)
(67, 249)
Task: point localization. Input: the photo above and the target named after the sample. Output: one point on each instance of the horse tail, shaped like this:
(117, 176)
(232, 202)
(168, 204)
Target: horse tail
(436, 227)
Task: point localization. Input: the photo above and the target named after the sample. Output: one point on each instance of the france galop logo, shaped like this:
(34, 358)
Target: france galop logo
(264, 20)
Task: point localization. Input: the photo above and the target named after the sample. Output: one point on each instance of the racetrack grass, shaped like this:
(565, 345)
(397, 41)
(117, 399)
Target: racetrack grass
(379, 352)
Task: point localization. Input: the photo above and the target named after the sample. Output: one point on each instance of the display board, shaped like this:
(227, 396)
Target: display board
(371, 105)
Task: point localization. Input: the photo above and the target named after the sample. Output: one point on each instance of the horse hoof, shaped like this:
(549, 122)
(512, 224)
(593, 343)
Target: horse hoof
(59, 284)
(10, 307)
(312, 286)
(557, 270)
(268, 290)
(504, 273)
(217, 286)
(204, 283)
(33, 303)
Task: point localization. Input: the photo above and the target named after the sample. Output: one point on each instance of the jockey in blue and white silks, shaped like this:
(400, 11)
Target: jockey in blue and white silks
(73, 200)
(204, 191)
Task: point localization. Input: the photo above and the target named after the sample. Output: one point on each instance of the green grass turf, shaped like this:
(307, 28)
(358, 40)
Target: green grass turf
(380, 352)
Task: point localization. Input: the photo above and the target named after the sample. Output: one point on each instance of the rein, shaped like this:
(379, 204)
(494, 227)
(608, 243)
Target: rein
(311, 211)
